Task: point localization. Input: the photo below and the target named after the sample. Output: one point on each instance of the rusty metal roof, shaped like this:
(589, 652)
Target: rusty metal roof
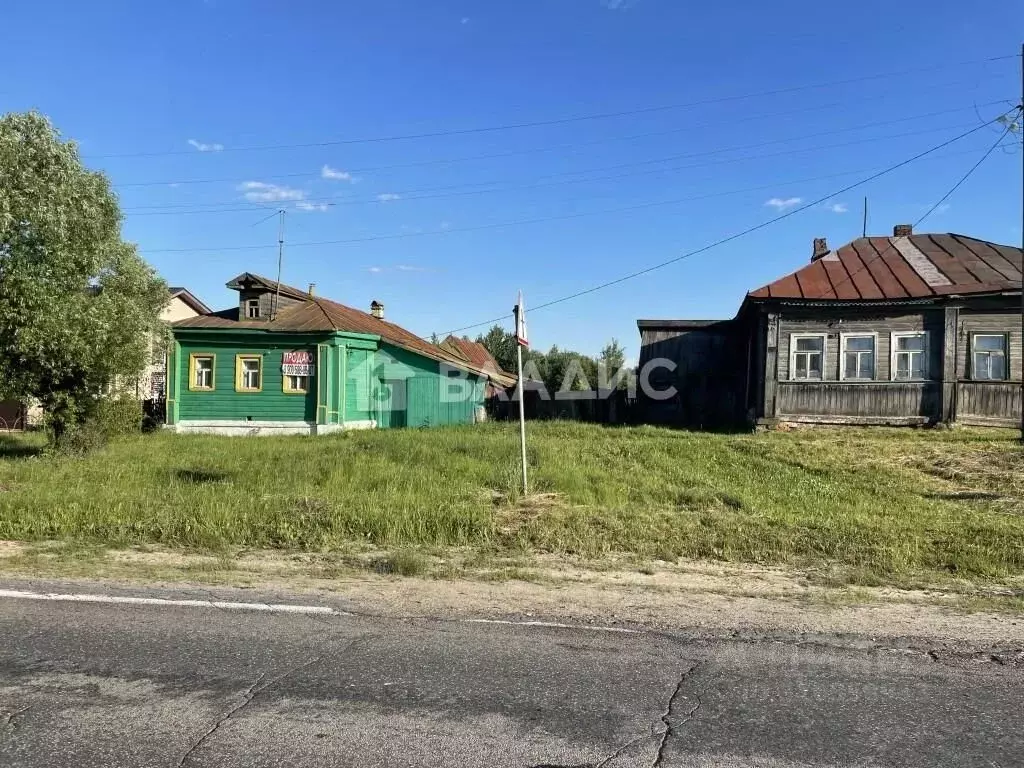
(477, 355)
(907, 267)
(469, 350)
(319, 315)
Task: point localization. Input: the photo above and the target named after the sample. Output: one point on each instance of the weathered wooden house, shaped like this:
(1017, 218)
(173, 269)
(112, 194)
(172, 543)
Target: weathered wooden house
(287, 361)
(908, 329)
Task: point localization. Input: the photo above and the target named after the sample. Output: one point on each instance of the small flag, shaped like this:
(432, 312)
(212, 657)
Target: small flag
(520, 312)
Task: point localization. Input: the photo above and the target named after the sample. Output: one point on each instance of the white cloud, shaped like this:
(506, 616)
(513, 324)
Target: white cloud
(204, 147)
(464, 20)
(780, 204)
(376, 270)
(305, 205)
(387, 197)
(618, 5)
(446, 225)
(838, 207)
(336, 174)
(261, 192)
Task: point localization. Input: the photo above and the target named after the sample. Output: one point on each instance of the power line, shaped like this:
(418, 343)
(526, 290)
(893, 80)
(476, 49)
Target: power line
(551, 147)
(576, 118)
(732, 237)
(545, 219)
(966, 176)
(560, 178)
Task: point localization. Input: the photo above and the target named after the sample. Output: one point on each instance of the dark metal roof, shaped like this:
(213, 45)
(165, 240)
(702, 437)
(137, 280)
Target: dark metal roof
(681, 325)
(189, 298)
(908, 267)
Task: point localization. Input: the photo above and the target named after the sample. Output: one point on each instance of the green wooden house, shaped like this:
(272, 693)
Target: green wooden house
(285, 361)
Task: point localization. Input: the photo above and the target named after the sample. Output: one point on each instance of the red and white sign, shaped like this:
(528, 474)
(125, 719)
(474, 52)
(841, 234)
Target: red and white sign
(298, 363)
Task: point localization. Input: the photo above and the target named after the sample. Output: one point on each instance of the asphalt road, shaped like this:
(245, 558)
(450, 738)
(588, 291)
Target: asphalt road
(85, 684)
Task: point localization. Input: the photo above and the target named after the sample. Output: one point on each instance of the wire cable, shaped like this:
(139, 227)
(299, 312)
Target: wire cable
(966, 176)
(554, 147)
(500, 225)
(573, 119)
(549, 180)
(729, 238)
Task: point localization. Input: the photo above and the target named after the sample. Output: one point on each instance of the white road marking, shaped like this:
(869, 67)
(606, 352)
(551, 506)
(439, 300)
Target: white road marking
(16, 594)
(553, 625)
(321, 610)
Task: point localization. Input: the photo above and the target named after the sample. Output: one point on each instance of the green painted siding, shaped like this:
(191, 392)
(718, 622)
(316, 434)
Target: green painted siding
(359, 385)
(411, 392)
(269, 404)
(355, 382)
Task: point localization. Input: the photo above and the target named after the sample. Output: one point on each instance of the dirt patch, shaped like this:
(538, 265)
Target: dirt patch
(717, 598)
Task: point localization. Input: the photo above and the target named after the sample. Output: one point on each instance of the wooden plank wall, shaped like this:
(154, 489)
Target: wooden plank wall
(861, 400)
(981, 402)
(882, 324)
(710, 376)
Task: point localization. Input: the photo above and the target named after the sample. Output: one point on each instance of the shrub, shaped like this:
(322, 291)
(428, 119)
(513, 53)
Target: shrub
(107, 418)
(116, 416)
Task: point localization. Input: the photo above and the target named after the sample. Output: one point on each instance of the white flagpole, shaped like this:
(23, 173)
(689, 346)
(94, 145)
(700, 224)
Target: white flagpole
(520, 341)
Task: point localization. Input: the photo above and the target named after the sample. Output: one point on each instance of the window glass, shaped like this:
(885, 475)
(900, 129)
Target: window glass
(989, 356)
(990, 343)
(809, 344)
(859, 357)
(860, 344)
(202, 373)
(250, 374)
(910, 343)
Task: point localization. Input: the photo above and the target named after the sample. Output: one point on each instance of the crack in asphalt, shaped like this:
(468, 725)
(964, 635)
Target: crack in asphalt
(7, 716)
(665, 719)
(251, 693)
(666, 716)
(7, 724)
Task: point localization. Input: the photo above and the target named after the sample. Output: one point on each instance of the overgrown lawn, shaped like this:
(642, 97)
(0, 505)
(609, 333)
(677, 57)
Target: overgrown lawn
(877, 503)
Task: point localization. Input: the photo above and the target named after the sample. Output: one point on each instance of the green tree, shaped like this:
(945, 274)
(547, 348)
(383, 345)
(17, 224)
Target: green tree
(78, 307)
(502, 345)
(613, 359)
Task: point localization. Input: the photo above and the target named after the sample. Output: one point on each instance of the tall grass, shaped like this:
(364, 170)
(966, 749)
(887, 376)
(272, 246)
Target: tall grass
(882, 501)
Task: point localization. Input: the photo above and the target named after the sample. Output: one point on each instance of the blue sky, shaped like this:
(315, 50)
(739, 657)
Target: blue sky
(271, 104)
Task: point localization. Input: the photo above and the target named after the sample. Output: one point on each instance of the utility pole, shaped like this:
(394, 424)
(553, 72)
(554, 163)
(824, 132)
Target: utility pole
(1020, 124)
(521, 341)
(864, 229)
(280, 257)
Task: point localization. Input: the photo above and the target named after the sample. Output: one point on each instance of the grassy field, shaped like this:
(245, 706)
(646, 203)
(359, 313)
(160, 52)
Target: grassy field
(871, 503)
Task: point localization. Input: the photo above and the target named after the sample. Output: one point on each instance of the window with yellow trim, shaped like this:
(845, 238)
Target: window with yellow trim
(296, 385)
(200, 372)
(248, 373)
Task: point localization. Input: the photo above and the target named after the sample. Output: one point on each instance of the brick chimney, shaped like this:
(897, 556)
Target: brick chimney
(820, 248)
(903, 230)
(377, 309)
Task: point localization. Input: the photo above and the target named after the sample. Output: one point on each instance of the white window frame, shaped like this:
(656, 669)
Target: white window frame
(893, 352)
(1006, 354)
(251, 304)
(793, 337)
(842, 354)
